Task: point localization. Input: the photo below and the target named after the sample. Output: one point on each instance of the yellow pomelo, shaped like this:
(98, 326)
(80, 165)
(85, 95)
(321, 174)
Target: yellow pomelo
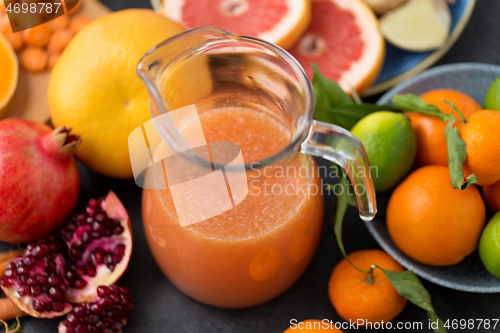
(94, 88)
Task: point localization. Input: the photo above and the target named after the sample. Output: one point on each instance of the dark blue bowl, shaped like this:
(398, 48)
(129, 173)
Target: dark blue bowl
(469, 275)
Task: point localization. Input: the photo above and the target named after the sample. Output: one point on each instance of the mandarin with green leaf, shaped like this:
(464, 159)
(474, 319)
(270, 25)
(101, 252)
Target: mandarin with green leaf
(354, 295)
(430, 131)
(433, 223)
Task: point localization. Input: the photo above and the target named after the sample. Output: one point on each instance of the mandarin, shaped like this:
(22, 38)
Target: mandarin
(433, 223)
(429, 130)
(355, 297)
(492, 196)
(482, 137)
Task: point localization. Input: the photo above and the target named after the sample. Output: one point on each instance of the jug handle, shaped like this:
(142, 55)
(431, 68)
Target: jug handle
(340, 146)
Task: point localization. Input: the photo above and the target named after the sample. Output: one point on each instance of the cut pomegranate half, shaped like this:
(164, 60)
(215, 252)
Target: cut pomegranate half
(99, 247)
(34, 281)
(107, 313)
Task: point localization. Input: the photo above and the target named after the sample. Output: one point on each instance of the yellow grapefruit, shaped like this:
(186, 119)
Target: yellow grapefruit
(94, 88)
(9, 69)
(344, 40)
(278, 21)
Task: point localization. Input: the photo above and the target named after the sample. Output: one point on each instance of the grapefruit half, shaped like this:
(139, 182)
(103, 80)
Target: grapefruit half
(345, 41)
(9, 73)
(278, 21)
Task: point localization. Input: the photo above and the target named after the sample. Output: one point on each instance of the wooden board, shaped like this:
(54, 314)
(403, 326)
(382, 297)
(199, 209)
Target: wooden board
(31, 97)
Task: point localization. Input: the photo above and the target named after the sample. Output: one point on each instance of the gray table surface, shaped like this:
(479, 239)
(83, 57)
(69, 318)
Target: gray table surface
(160, 307)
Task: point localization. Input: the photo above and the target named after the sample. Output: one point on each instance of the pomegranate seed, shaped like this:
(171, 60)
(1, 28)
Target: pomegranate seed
(22, 279)
(54, 281)
(30, 281)
(58, 306)
(29, 260)
(36, 290)
(21, 269)
(79, 312)
(100, 217)
(46, 288)
(80, 329)
(118, 230)
(91, 271)
(71, 276)
(56, 293)
(120, 249)
(51, 267)
(103, 291)
(86, 237)
(116, 326)
(10, 273)
(92, 203)
(71, 318)
(23, 290)
(80, 284)
(117, 258)
(6, 282)
(41, 279)
(38, 306)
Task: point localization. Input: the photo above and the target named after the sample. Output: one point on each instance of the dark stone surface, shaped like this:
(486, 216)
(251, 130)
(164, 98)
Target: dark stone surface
(160, 307)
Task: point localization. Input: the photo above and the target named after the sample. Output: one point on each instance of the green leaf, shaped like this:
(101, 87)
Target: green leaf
(409, 286)
(433, 317)
(412, 102)
(340, 213)
(330, 90)
(457, 154)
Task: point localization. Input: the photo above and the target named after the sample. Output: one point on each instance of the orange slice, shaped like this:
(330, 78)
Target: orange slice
(278, 21)
(344, 40)
(9, 69)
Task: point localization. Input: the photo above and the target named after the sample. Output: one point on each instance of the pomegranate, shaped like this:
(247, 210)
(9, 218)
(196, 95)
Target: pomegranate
(93, 249)
(39, 181)
(99, 247)
(34, 281)
(107, 313)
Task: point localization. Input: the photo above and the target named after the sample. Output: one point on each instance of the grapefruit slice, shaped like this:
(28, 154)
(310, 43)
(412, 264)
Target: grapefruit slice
(278, 21)
(344, 40)
(9, 69)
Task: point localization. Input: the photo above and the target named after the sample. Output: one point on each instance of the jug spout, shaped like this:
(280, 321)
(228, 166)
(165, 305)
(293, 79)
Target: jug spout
(338, 145)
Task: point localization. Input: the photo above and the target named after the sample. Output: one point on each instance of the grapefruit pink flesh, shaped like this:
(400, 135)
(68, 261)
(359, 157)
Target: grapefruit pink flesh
(278, 21)
(344, 40)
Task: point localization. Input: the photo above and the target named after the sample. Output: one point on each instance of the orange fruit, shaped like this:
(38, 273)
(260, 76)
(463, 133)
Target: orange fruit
(34, 59)
(344, 40)
(492, 196)
(281, 22)
(355, 297)
(79, 22)
(37, 37)
(16, 40)
(312, 326)
(431, 139)
(59, 40)
(482, 136)
(432, 222)
(9, 67)
(104, 53)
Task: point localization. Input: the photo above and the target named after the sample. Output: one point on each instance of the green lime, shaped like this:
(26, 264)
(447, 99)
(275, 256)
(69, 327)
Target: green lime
(489, 246)
(390, 144)
(492, 100)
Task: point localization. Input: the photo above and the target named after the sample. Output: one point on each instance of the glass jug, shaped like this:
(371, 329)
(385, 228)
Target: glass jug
(253, 105)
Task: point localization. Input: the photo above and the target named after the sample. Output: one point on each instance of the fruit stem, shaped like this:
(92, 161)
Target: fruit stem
(454, 108)
(61, 143)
